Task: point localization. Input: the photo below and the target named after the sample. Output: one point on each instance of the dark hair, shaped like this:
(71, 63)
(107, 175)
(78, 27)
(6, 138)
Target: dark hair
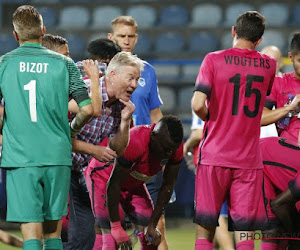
(295, 44)
(250, 26)
(103, 49)
(175, 128)
(53, 42)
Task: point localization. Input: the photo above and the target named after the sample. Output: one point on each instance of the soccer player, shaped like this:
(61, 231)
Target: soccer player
(222, 237)
(273, 51)
(117, 86)
(150, 149)
(281, 155)
(60, 45)
(35, 84)
(230, 93)
(146, 97)
(56, 43)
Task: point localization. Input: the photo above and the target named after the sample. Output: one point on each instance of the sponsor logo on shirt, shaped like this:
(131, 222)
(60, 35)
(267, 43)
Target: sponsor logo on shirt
(140, 177)
(142, 82)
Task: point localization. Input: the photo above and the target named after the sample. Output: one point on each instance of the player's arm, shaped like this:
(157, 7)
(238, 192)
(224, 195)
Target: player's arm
(198, 104)
(155, 115)
(119, 142)
(100, 153)
(120, 172)
(78, 92)
(270, 116)
(164, 195)
(92, 71)
(193, 140)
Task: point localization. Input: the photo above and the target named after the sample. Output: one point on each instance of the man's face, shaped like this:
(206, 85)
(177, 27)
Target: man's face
(124, 82)
(64, 50)
(296, 64)
(125, 36)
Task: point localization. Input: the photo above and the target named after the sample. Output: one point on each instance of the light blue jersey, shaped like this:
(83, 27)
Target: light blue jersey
(146, 96)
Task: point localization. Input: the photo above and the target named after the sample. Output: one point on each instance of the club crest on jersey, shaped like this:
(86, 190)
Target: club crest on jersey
(142, 82)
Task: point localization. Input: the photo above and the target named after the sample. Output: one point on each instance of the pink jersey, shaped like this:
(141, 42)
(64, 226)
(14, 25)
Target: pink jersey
(236, 82)
(285, 85)
(145, 165)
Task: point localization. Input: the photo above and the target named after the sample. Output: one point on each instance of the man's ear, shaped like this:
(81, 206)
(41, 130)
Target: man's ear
(43, 30)
(16, 35)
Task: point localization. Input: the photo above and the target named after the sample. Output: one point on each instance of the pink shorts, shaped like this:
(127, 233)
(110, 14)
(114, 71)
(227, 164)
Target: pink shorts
(135, 203)
(281, 159)
(242, 188)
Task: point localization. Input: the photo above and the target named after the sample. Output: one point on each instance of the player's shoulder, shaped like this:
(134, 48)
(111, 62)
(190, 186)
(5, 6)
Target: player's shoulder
(140, 131)
(284, 77)
(148, 66)
(215, 54)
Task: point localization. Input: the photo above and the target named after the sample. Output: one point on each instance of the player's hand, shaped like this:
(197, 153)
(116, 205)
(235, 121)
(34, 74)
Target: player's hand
(128, 110)
(104, 154)
(91, 68)
(152, 235)
(120, 236)
(295, 104)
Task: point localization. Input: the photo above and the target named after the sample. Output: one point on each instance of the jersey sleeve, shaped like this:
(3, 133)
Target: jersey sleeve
(154, 98)
(205, 76)
(273, 65)
(177, 155)
(271, 99)
(78, 89)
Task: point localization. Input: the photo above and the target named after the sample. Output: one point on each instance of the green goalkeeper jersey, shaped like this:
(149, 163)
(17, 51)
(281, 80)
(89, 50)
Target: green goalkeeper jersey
(36, 84)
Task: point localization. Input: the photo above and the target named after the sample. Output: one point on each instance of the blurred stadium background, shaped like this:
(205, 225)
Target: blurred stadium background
(174, 35)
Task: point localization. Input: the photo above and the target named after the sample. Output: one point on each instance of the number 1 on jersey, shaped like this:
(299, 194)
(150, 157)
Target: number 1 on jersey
(31, 87)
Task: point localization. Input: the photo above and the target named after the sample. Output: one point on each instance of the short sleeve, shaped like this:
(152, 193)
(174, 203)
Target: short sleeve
(154, 98)
(205, 76)
(271, 99)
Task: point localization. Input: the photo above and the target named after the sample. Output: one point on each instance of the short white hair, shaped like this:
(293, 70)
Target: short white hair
(122, 59)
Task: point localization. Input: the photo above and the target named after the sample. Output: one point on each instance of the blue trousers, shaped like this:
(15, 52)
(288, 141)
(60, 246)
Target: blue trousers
(81, 233)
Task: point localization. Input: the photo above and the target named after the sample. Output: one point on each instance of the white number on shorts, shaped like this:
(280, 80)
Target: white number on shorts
(31, 87)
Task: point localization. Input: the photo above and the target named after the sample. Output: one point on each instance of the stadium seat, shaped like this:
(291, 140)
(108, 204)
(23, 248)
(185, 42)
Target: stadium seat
(167, 72)
(77, 1)
(276, 14)
(206, 15)
(274, 37)
(7, 43)
(49, 16)
(226, 39)
(295, 20)
(77, 46)
(203, 42)
(174, 16)
(185, 96)
(169, 43)
(45, 1)
(168, 97)
(234, 10)
(144, 45)
(190, 72)
(103, 15)
(74, 17)
(144, 15)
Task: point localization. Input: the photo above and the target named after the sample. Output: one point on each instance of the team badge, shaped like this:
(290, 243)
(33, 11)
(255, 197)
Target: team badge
(142, 82)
